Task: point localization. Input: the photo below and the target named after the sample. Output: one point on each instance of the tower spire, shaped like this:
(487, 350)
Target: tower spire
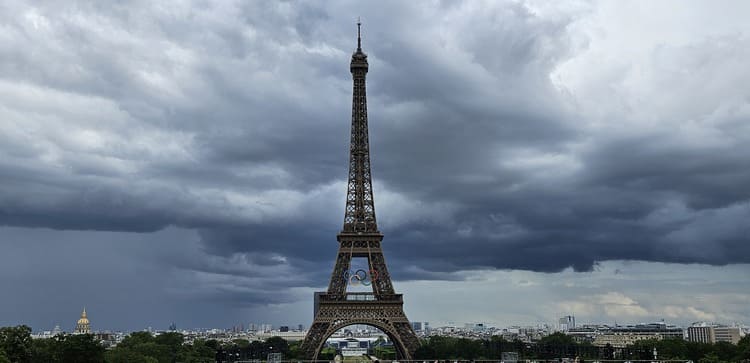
(359, 35)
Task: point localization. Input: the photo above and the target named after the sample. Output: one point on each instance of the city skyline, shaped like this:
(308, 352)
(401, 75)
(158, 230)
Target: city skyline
(187, 162)
(554, 325)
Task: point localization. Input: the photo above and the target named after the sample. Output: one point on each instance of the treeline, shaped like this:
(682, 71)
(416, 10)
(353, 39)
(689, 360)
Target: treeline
(559, 345)
(242, 349)
(16, 346)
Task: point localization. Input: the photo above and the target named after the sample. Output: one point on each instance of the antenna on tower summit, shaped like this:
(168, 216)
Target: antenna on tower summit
(359, 34)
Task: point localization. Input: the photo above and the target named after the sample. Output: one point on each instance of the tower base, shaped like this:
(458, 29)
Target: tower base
(386, 313)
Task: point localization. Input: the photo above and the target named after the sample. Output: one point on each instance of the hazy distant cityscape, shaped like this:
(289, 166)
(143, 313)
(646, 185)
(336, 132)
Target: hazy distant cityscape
(597, 334)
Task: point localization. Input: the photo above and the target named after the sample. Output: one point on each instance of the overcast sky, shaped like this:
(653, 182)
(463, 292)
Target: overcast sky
(185, 162)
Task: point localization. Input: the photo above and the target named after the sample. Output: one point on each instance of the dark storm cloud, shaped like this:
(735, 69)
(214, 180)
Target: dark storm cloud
(233, 120)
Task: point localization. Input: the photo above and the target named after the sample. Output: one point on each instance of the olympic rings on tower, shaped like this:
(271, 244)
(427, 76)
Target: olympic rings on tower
(361, 277)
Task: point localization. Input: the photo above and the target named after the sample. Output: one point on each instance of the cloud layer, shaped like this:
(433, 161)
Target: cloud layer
(508, 135)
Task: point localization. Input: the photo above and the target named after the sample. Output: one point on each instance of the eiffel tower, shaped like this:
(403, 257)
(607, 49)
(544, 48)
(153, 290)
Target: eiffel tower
(360, 238)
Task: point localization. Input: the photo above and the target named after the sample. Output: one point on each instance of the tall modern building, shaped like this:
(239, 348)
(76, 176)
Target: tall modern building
(567, 323)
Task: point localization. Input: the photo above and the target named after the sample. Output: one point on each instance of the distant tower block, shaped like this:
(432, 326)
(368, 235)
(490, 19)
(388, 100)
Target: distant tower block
(567, 323)
(360, 238)
(83, 326)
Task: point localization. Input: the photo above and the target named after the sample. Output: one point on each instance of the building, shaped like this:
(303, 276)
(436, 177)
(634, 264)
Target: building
(290, 336)
(416, 325)
(622, 336)
(353, 347)
(586, 333)
(701, 334)
(83, 326)
(729, 334)
(567, 322)
(705, 333)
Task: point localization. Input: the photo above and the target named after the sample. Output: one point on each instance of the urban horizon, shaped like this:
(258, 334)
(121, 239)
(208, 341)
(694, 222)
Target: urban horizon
(552, 324)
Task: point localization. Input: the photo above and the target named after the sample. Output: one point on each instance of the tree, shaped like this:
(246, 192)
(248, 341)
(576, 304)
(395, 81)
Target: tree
(142, 347)
(199, 352)
(126, 355)
(327, 353)
(277, 345)
(743, 348)
(557, 345)
(672, 349)
(172, 339)
(710, 358)
(241, 343)
(136, 338)
(16, 343)
(424, 351)
(294, 351)
(384, 353)
(45, 351)
(81, 348)
(725, 351)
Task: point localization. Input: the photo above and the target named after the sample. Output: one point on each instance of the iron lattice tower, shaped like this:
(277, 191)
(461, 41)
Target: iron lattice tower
(360, 237)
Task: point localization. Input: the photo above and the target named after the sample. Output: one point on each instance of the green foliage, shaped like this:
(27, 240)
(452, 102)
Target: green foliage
(452, 348)
(170, 339)
(164, 348)
(213, 344)
(557, 339)
(327, 353)
(200, 351)
(15, 342)
(241, 343)
(384, 353)
(559, 345)
(294, 351)
(44, 350)
(711, 358)
(278, 345)
(681, 349)
(743, 348)
(16, 346)
(136, 338)
(80, 349)
(125, 355)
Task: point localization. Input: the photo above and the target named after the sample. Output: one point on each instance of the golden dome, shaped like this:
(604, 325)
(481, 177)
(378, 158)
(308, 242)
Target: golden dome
(83, 320)
(83, 326)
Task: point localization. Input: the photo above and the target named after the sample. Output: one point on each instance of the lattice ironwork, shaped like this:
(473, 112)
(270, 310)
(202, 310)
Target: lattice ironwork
(386, 316)
(359, 215)
(382, 308)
